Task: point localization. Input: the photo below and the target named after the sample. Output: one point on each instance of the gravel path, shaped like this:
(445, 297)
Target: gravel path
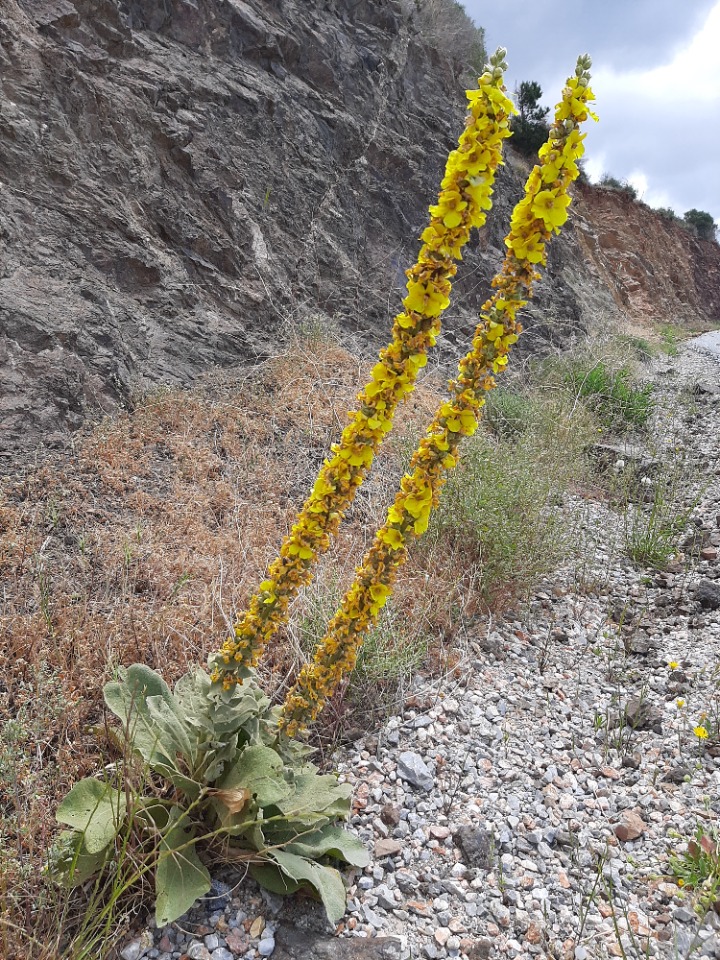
(526, 807)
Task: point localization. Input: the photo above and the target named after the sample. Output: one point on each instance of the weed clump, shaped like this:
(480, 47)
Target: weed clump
(501, 509)
(613, 394)
(697, 868)
(508, 413)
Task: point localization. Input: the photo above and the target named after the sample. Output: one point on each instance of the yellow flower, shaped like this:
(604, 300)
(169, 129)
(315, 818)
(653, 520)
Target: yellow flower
(679, 703)
(463, 200)
(529, 247)
(426, 299)
(538, 214)
(393, 538)
(551, 208)
(673, 665)
(700, 732)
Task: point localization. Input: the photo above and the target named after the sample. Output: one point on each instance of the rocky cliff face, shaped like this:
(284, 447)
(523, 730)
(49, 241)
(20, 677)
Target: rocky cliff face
(654, 268)
(183, 180)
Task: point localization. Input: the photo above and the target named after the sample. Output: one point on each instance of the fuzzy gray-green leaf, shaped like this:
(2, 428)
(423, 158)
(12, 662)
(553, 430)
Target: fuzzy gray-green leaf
(192, 697)
(259, 770)
(272, 878)
(70, 864)
(331, 841)
(316, 794)
(180, 878)
(96, 810)
(127, 699)
(326, 881)
(174, 734)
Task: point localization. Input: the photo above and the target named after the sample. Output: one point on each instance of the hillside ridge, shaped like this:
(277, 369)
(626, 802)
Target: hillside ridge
(185, 182)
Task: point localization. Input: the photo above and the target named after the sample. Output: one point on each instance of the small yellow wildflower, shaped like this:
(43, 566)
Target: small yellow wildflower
(700, 732)
(680, 703)
(673, 665)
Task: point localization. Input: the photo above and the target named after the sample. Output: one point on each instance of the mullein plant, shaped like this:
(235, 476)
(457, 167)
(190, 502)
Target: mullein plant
(232, 768)
(464, 198)
(542, 212)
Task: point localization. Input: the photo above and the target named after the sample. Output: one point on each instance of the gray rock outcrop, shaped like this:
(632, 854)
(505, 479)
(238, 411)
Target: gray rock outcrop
(184, 180)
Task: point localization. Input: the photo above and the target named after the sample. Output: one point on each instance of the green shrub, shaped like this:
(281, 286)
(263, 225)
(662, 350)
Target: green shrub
(613, 395)
(500, 508)
(623, 186)
(701, 223)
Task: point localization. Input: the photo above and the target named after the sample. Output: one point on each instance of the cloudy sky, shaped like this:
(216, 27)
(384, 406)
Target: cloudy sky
(656, 77)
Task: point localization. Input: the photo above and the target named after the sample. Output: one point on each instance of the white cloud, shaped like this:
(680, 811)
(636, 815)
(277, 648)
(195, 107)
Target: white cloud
(638, 180)
(695, 68)
(656, 75)
(660, 127)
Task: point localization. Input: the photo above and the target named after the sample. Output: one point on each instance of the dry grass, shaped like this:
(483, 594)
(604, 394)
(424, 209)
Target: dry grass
(138, 547)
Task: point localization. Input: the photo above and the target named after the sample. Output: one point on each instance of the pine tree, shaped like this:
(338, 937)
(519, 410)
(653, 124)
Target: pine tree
(530, 128)
(701, 222)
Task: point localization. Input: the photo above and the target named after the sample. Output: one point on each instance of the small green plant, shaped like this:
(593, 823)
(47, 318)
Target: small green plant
(652, 530)
(508, 413)
(623, 186)
(613, 394)
(698, 868)
(669, 339)
(228, 780)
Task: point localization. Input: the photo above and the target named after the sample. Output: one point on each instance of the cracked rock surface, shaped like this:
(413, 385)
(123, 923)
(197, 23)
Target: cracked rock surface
(186, 183)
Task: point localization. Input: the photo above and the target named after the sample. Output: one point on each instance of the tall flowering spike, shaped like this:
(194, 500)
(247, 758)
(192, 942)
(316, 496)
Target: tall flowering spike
(541, 212)
(462, 204)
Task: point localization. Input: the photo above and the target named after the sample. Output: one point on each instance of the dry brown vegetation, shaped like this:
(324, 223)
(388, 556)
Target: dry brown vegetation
(140, 544)
(138, 547)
